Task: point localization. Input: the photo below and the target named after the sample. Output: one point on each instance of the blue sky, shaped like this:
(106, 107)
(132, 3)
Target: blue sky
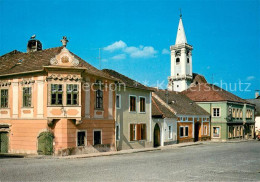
(225, 35)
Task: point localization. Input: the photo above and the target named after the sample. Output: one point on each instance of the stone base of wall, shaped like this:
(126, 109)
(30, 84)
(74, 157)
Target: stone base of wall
(170, 143)
(186, 140)
(133, 145)
(85, 150)
(204, 138)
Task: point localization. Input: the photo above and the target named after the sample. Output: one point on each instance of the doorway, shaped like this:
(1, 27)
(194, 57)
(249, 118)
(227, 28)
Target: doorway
(156, 136)
(196, 132)
(3, 142)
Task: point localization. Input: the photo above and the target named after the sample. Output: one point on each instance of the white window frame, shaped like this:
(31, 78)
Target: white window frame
(130, 103)
(85, 139)
(118, 125)
(213, 112)
(119, 101)
(170, 132)
(144, 104)
(100, 135)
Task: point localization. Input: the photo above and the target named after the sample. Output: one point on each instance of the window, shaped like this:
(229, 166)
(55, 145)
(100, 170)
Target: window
(27, 97)
(117, 132)
(132, 103)
(237, 113)
(56, 94)
(81, 138)
(170, 132)
(216, 112)
(184, 131)
(137, 132)
(216, 132)
(4, 98)
(118, 101)
(72, 94)
(205, 130)
(97, 137)
(177, 60)
(99, 99)
(188, 60)
(142, 104)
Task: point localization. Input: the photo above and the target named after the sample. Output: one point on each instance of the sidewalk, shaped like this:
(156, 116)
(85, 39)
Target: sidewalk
(130, 151)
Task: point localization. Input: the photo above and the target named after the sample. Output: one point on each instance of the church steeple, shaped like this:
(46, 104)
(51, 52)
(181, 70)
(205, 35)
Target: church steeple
(181, 37)
(181, 62)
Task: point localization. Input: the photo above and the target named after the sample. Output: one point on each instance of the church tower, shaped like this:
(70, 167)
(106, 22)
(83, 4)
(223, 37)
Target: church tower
(181, 62)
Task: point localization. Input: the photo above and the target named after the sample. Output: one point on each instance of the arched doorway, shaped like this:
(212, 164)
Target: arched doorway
(4, 142)
(156, 136)
(45, 143)
(196, 132)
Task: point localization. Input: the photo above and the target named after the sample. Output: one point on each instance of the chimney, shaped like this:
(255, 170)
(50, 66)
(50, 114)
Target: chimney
(64, 41)
(257, 94)
(34, 45)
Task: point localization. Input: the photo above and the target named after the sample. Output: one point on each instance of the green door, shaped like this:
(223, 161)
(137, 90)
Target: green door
(45, 143)
(3, 143)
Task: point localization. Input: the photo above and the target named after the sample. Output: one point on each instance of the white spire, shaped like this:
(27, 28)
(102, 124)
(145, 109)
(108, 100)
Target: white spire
(181, 37)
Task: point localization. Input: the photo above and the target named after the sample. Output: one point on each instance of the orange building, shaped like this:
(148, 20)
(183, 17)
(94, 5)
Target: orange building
(53, 102)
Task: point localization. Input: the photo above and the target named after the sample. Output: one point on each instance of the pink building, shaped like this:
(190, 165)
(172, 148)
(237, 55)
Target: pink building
(53, 102)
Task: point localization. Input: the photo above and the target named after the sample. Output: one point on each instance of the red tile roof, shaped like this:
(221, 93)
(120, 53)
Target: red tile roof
(211, 93)
(17, 62)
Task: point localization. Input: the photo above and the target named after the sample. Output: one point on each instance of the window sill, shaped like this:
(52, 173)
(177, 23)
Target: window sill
(132, 112)
(99, 109)
(142, 112)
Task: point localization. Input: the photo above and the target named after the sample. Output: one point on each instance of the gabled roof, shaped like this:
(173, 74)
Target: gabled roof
(180, 103)
(17, 62)
(210, 93)
(159, 110)
(126, 80)
(256, 102)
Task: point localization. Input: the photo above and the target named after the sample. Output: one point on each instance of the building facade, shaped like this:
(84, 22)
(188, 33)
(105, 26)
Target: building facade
(191, 121)
(133, 113)
(53, 102)
(231, 116)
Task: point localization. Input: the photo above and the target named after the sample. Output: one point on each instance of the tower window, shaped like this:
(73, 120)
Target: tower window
(188, 60)
(177, 60)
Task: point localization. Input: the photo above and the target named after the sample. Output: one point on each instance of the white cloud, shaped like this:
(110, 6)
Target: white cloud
(119, 56)
(141, 51)
(104, 60)
(115, 46)
(208, 67)
(250, 78)
(134, 52)
(165, 51)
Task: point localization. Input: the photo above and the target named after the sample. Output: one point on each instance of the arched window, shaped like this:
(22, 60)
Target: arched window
(188, 60)
(177, 60)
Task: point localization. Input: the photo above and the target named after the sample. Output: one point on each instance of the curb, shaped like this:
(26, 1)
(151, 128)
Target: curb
(107, 154)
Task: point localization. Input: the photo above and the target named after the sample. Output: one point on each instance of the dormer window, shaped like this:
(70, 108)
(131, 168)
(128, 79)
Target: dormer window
(177, 60)
(188, 60)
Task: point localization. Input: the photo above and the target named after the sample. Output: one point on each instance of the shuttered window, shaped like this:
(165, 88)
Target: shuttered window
(142, 104)
(132, 103)
(137, 132)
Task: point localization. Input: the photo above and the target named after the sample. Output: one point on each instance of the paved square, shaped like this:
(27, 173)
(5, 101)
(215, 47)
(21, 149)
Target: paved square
(207, 162)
